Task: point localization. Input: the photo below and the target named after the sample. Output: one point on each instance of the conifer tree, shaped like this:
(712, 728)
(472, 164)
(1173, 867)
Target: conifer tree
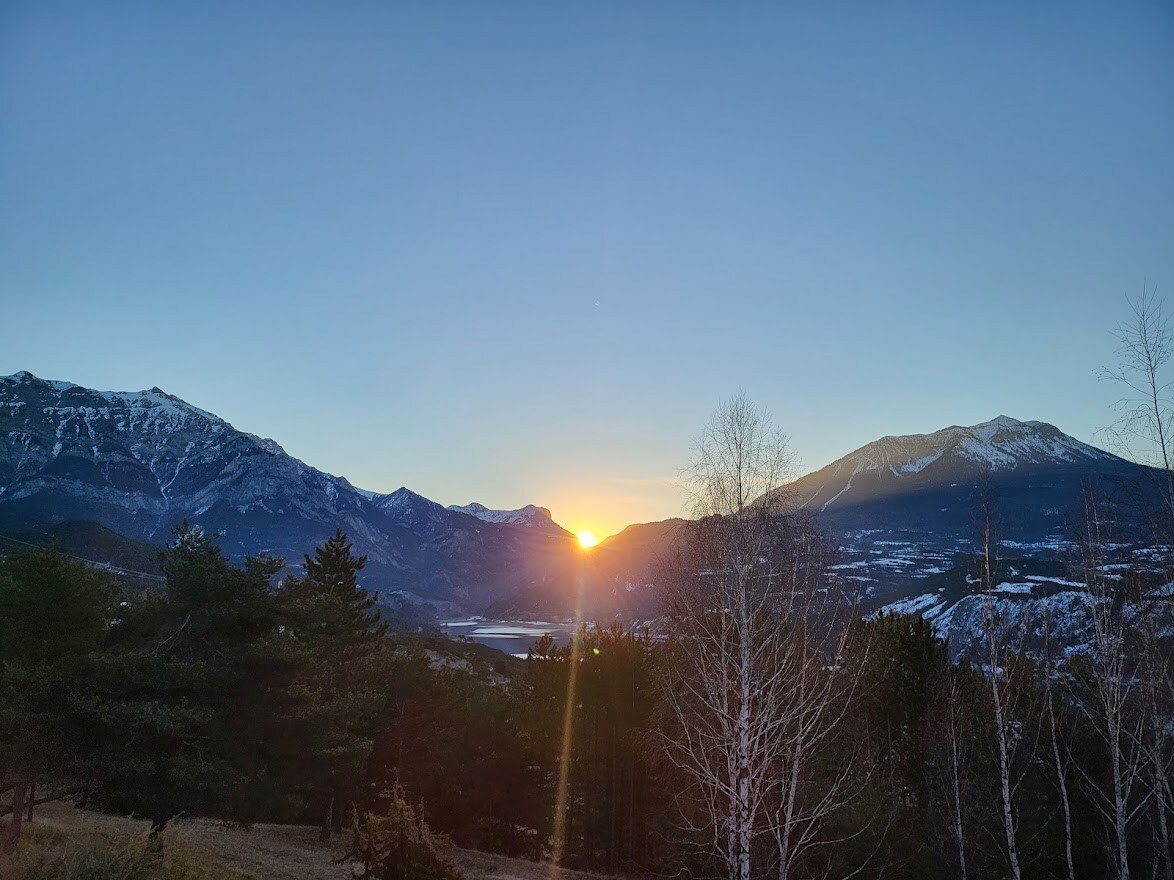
(339, 640)
(184, 705)
(54, 615)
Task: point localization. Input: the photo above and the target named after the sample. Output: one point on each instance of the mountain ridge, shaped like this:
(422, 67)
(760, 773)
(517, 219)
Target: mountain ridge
(1033, 468)
(138, 462)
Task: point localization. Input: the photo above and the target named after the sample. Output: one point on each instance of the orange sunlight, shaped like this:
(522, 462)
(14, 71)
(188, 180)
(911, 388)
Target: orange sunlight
(587, 539)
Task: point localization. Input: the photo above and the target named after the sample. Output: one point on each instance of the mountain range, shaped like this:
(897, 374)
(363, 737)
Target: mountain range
(140, 462)
(137, 463)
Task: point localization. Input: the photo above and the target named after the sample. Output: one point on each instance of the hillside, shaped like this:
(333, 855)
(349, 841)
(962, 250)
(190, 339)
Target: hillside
(261, 852)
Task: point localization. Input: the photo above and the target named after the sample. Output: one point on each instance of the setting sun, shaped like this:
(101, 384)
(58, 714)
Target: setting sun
(587, 539)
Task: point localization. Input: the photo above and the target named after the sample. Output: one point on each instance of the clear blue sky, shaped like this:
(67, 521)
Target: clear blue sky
(516, 252)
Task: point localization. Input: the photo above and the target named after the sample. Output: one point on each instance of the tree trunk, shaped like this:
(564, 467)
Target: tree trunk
(746, 698)
(996, 656)
(340, 808)
(327, 819)
(785, 843)
(1164, 830)
(1062, 782)
(32, 799)
(11, 833)
(1120, 822)
(956, 780)
(1005, 778)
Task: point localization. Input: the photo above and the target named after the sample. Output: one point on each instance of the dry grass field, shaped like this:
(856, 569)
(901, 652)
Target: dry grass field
(200, 849)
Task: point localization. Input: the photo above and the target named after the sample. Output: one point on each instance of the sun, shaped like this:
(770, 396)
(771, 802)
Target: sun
(587, 539)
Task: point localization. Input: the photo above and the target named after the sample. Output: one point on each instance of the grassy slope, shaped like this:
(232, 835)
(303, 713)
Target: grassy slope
(201, 849)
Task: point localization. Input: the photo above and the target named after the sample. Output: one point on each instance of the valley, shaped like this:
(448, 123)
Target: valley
(901, 508)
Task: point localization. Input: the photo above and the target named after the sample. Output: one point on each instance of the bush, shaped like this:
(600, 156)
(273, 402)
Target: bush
(398, 845)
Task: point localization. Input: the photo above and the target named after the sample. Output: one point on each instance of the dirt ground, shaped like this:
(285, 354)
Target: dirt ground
(280, 852)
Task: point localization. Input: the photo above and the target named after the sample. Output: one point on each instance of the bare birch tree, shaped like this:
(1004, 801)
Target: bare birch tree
(1155, 674)
(748, 691)
(1114, 680)
(998, 674)
(1051, 671)
(955, 744)
(1144, 430)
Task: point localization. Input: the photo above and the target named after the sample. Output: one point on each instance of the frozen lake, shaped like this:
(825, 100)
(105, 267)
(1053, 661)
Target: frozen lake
(511, 636)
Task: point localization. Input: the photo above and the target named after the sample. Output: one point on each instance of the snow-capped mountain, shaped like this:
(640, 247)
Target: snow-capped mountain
(904, 509)
(413, 511)
(929, 481)
(531, 515)
(139, 462)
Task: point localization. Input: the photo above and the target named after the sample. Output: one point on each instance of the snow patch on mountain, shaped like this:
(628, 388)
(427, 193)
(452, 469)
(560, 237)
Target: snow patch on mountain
(1001, 443)
(530, 515)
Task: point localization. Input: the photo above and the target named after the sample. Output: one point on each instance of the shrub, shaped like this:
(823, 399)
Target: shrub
(398, 845)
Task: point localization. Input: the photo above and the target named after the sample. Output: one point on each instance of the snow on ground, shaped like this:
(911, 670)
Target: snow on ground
(1039, 578)
(925, 605)
(1067, 615)
(1018, 589)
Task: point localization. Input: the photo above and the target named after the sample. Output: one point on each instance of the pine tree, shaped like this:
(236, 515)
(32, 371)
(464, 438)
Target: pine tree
(54, 615)
(339, 640)
(185, 702)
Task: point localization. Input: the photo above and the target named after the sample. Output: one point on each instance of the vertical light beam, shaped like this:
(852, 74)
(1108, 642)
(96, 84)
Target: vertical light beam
(564, 763)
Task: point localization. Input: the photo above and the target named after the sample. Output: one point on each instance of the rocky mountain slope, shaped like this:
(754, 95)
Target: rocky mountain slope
(139, 462)
(927, 483)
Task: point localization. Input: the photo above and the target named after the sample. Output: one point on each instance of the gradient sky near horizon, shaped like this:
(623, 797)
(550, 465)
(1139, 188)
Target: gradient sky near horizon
(517, 252)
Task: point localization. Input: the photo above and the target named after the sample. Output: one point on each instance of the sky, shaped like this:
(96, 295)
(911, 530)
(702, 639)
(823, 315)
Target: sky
(518, 252)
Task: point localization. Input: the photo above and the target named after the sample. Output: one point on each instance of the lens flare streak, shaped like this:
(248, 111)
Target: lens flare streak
(564, 763)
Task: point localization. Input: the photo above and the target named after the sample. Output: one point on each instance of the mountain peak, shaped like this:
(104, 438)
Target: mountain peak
(1002, 421)
(410, 508)
(402, 497)
(999, 444)
(948, 457)
(530, 515)
(24, 377)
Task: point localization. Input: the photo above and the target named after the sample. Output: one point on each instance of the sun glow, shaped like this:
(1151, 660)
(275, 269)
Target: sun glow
(587, 539)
